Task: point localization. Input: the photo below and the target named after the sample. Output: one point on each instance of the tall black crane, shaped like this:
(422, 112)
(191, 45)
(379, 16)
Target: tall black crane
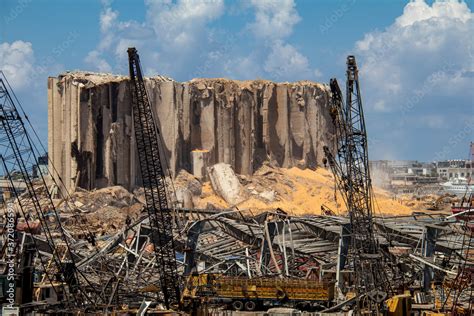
(351, 170)
(147, 136)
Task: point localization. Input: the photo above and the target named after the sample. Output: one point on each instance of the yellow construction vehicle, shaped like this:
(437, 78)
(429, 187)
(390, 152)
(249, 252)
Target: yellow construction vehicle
(243, 293)
(399, 305)
(441, 202)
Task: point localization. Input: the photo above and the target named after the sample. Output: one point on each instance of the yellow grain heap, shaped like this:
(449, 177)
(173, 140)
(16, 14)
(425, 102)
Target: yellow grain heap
(299, 192)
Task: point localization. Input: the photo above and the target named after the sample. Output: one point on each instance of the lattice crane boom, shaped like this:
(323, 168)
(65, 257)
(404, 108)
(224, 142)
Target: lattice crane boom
(351, 170)
(18, 160)
(154, 183)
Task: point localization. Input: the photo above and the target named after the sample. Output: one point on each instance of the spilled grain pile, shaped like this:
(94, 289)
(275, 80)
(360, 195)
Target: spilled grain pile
(297, 191)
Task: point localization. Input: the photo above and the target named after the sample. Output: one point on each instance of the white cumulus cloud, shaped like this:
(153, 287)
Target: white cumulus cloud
(181, 25)
(273, 24)
(168, 38)
(419, 10)
(17, 62)
(417, 76)
(178, 39)
(274, 19)
(108, 18)
(95, 59)
(285, 61)
(428, 50)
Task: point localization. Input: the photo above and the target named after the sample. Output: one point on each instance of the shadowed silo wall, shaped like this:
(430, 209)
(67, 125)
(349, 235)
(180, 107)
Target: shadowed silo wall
(242, 123)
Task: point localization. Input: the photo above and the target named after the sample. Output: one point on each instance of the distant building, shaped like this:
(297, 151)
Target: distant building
(411, 175)
(422, 169)
(402, 175)
(42, 167)
(452, 169)
(6, 188)
(472, 151)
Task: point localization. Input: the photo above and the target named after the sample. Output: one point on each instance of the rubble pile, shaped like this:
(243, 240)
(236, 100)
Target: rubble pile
(274, 229)
(297, 191)
(214, 241)
(106, 210)
(103, 211)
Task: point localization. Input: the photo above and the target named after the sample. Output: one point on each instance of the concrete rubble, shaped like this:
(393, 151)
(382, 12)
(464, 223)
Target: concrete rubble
(225, 183)
(203, 121)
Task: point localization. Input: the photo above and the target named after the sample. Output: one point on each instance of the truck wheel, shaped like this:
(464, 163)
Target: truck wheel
(237, 305)
(250, 306)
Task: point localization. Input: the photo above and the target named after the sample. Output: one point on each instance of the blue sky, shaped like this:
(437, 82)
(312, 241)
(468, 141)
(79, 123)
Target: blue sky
(416, 58)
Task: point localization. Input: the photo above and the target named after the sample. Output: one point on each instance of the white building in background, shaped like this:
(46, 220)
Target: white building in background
(455, 169)
(404, 175)
(396, 174)
(6, 188)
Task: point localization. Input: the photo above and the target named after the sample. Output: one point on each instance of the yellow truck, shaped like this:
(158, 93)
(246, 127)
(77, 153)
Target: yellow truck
(242, 293)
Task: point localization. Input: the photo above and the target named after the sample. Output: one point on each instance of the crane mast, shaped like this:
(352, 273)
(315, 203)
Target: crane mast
(351, 170)
(147, 137)
(18, 160)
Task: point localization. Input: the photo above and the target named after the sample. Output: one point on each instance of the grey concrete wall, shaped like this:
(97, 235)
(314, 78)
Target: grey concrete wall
(242, 123)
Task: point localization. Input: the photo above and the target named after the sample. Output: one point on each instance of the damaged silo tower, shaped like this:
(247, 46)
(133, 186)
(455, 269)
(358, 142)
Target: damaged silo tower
(205, 121)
